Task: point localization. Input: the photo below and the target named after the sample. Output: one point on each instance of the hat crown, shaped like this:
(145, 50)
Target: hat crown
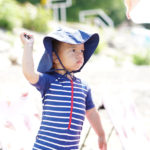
(70, 36)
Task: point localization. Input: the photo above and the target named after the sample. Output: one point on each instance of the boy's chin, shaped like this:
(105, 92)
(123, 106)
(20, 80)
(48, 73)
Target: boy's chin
(76, 69)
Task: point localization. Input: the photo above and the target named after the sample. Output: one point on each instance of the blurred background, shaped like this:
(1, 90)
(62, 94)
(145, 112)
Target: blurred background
(118, 72)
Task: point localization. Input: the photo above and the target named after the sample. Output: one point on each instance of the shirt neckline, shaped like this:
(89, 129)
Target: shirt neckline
(58, 75)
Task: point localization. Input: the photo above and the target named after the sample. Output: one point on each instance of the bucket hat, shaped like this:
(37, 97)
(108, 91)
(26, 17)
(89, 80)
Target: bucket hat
(70, 36)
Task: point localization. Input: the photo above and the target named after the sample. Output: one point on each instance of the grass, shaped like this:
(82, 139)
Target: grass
(142, 58)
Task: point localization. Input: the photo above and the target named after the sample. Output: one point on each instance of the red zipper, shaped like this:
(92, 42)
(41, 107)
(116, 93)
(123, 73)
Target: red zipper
(71, 104)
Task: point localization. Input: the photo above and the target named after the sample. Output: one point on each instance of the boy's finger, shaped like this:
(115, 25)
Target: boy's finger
(21, 35)
(31, 36)
(104, 146)
(27, 36)
(100, 145)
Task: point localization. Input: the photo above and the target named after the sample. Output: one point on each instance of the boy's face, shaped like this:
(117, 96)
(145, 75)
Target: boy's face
(71, 56)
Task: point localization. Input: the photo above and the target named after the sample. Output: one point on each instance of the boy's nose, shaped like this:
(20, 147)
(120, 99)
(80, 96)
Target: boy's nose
(79, 55)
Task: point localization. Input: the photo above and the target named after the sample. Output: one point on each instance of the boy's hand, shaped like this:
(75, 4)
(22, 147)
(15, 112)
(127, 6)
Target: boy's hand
(102, 143)
(27, 39)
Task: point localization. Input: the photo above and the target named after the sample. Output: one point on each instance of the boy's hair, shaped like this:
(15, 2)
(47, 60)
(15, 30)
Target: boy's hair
(55, 44)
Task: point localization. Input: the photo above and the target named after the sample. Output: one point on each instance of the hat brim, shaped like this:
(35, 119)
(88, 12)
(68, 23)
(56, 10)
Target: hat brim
(46, 62)
(90, 46)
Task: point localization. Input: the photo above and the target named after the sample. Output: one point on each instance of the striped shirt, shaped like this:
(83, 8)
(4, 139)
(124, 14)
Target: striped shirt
(64, 105)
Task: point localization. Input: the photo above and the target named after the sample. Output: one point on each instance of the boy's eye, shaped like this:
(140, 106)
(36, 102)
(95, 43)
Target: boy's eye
(73, 50)
(82, 51)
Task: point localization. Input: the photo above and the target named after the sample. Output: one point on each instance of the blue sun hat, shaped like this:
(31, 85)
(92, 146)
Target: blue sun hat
(70, 36)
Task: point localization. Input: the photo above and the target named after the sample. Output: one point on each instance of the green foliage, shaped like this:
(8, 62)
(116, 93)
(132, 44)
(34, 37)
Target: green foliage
(141, 58)
(9, 14)
(118, 59)
(113, 8)
(31, 1)
(117, 12)
(100, 47)
(37, 21)
(13, 14)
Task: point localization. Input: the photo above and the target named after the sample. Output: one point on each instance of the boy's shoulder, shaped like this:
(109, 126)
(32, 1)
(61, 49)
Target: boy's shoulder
(83, 83)
(49, 76)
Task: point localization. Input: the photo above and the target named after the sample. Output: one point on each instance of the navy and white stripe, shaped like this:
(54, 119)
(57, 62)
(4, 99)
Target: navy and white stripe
(54, 133)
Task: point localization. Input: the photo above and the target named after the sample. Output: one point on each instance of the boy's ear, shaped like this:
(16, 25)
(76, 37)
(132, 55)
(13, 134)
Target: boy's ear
(55, 59)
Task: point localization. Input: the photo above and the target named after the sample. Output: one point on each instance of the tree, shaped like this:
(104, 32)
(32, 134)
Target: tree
(113, 8)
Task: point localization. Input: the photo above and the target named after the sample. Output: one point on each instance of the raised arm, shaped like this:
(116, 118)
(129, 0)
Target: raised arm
(27, 59)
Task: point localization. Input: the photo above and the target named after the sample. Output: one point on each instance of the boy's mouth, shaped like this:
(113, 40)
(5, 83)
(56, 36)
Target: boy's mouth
(79, 62)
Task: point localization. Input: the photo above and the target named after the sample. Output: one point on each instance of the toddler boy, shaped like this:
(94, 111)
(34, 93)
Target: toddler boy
(66, 99)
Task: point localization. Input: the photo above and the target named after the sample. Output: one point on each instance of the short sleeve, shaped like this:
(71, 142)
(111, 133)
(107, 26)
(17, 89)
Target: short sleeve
(43, 83)
(89, 100)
